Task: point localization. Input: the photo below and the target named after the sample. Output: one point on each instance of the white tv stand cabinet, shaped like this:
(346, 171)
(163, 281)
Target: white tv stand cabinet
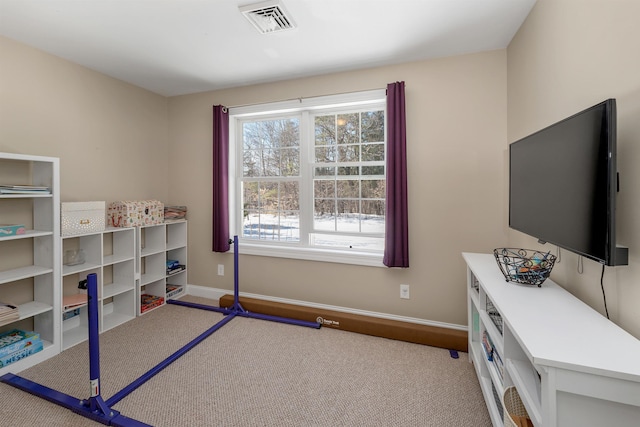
(570, 365)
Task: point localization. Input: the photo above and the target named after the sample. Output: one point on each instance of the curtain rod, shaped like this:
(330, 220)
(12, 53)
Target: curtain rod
(303, 97)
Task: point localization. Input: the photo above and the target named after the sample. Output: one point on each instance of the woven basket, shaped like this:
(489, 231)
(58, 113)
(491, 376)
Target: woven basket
(512, 405)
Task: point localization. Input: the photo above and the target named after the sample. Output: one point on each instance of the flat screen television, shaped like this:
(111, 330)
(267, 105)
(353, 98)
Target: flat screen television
(563, 183)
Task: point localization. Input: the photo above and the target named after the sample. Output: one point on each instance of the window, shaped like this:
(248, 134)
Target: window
(309, 178)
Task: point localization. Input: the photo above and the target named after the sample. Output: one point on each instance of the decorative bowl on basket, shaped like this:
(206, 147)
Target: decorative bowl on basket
(524, 266)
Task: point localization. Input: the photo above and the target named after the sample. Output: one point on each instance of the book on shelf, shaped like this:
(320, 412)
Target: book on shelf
(6, 307)
(74, 301)
(147, 302)
(7, 230)
(15, 340)
(487, 346)
(33, 347)
(8, 313)
(174, 290)
(24, 189)
(177, 269)
(492, 354)
(66, 315)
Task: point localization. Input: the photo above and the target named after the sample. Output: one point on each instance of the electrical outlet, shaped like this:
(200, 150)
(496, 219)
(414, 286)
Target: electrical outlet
(220, 269)
(404, 291)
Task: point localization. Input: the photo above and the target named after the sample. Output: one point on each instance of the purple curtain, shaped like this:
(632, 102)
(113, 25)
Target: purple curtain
(220, 179)
(396, 246)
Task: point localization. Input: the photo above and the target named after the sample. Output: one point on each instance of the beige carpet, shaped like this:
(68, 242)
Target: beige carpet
(257, 373)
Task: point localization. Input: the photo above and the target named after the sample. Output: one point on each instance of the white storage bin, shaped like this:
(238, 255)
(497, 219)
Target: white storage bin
(82, 217)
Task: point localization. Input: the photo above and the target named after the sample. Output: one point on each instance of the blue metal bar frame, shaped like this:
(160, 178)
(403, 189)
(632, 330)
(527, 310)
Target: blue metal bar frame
(95, 407)
(236, 308)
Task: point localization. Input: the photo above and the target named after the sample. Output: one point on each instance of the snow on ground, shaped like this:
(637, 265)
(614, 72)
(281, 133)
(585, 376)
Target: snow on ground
(287, 229)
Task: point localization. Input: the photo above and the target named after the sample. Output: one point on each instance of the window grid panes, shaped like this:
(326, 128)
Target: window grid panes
(338, 154)
(349, 181)
(271, 179)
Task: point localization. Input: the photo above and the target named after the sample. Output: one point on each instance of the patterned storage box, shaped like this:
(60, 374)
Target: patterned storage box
(135, 213)
(82, 217)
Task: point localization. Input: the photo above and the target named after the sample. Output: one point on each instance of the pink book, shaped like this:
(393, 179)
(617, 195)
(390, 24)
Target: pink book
(71, 301)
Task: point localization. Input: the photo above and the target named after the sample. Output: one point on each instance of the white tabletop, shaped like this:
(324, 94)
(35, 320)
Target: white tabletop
(557, 329)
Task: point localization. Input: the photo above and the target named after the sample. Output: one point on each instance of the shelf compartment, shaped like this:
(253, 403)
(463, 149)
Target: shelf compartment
(152, 240)
(526, 380)
(152, 268)
(156, 289)
(23, 273)
(114, 289)
(474, 283)
(33, 308)
(490, 359)
(493, 331)
(496, 412)
(120, 310)
(175, 291)
(118, 278)
(114, 259)
(29, 265)
(497, 398)
(75, 329)
(176, 234)
(27, 235)
(118, 245)
(495, 316)
(74, 269)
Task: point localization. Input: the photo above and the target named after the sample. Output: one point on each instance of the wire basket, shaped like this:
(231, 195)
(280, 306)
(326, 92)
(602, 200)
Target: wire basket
(524, 266)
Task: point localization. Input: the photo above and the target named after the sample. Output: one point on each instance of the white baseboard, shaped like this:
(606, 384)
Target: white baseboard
(215, 294)
(206, 292)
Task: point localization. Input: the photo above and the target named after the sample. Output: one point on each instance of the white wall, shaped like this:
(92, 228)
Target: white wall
(111, 137)
(456, 134)
(570, 55)
(117, 141)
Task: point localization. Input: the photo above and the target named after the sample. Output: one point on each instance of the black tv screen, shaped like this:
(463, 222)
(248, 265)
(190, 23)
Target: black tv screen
(563, 184)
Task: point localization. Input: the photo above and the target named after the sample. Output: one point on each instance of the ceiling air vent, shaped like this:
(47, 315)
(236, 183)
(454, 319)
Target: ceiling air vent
(268, 16)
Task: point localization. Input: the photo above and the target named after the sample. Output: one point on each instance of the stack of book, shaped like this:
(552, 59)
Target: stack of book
(174, 290)
(487, 345)
(147, 302)
(24, 189)
(17, 344)
(174, 266)
(175, 212)
(492, 355)
(8, 313)
(74, 301)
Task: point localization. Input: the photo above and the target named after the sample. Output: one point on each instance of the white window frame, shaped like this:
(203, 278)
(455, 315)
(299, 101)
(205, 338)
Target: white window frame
(302, 106)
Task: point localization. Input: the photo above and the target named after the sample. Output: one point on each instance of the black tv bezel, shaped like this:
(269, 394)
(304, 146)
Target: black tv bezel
(613, 255)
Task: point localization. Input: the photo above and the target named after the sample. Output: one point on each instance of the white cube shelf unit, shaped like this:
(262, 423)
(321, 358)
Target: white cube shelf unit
(30, 262)
(570, 365)
(111, 255)
(156, 245)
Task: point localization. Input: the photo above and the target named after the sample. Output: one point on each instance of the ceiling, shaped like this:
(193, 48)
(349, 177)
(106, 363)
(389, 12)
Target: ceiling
(175, 47)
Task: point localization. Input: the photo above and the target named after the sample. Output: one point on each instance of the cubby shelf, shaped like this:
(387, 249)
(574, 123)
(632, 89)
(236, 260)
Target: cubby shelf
(111, 254)
(569, 364)
(30, 262)
(156, 245)
(33, 276)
